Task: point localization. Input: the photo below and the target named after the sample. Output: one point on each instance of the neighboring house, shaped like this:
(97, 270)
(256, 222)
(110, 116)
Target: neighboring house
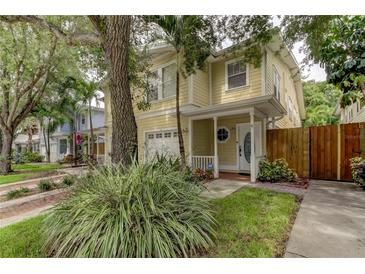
(20, 143)
(61, 140)
(354, 113)
(225, 109)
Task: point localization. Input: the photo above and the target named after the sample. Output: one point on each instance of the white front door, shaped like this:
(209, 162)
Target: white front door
(244, 145)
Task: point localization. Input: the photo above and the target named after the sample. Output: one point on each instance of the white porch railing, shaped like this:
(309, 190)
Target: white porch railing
(202, 162)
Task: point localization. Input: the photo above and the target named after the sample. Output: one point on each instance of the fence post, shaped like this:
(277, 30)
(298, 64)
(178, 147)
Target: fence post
(338, 152)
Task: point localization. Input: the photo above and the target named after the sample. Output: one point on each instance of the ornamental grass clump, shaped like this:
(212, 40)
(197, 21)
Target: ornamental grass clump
(141, 211)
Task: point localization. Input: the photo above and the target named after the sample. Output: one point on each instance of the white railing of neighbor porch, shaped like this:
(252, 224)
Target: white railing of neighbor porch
(203, 162)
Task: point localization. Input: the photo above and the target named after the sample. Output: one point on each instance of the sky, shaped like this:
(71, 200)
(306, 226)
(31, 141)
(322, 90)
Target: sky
(314, 72)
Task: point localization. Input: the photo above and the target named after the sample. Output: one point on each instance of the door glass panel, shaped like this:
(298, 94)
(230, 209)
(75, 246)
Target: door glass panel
(247, 147)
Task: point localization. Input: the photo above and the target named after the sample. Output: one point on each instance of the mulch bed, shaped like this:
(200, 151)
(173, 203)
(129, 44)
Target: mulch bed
(302, 183)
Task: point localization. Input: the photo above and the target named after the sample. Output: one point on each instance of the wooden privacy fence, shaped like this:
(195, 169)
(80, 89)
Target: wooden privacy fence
(322, 152)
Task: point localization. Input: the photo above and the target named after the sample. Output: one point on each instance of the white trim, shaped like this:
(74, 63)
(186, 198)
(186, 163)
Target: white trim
(210, 83)
(228, 168)
(169, 111)
(159, 87)
(220, 114)
(226, 75)
(216, 159)
(263, 72)
(237, 144)
(239, 105)
(190, 88)
(229, 134)
(191, 141)
(253, 152)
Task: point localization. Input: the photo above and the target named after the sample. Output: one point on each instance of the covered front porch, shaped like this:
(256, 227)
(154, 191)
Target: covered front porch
(221, 137)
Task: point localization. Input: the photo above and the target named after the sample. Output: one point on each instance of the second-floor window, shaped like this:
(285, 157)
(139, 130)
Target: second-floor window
(162, 83)
(276, 83)
(83, 120)
(236, 74)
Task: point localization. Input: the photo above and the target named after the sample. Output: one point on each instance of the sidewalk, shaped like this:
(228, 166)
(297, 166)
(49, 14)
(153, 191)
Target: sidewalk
(330, 222)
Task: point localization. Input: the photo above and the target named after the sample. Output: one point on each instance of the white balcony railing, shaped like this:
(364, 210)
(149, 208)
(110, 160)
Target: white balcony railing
(203, 162)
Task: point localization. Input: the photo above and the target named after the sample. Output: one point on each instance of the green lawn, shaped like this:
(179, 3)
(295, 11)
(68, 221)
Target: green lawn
(251, 223)
(27, 171)
(22, 240)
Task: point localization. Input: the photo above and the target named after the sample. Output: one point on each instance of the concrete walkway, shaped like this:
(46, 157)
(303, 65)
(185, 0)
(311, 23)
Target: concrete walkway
(330, 222)
(221, 188)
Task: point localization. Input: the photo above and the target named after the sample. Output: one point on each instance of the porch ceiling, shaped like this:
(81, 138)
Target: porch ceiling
(266, 105)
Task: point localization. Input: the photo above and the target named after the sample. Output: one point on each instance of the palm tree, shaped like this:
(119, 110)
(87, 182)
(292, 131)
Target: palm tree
(192, 39)
(87, 91)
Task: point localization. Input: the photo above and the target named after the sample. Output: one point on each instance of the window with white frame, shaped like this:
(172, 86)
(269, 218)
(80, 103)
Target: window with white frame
(236, 74)
(222, 134)
(162, 83)
(276, 83)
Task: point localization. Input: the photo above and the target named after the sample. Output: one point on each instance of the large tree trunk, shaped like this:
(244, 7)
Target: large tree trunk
(5, 160)
(178, 121)
(91, 140)
(116, 46)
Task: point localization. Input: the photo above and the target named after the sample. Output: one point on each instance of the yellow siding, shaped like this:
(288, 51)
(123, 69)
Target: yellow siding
(156, 124)
(203, 143)
(286, 87)
(219, 93)
(201, 88)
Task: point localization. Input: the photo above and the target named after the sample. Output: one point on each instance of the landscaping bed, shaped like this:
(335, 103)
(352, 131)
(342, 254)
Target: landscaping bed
(23, 172)
(302, 183)
(250, 223)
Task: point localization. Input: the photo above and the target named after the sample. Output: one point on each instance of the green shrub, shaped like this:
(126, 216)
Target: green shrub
(31, 157)
(163, 161)
(201, 175)
(141, 211)
(45, 185)
(69, 180)
(358, 170)
(277, 170)
(17, 193)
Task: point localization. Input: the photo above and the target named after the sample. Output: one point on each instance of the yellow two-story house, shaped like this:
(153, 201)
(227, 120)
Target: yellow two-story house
(225, 109)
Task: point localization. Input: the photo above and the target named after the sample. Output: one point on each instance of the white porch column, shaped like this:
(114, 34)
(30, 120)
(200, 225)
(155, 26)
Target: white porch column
(190, 142)
(216, 163)
(253, 154)
(68, 150)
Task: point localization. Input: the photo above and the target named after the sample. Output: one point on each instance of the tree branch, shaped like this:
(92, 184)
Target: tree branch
(87, 38)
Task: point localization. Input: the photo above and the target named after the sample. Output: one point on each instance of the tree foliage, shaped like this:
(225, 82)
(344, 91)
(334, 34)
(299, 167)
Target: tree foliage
(337, 42)
(320, 100)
